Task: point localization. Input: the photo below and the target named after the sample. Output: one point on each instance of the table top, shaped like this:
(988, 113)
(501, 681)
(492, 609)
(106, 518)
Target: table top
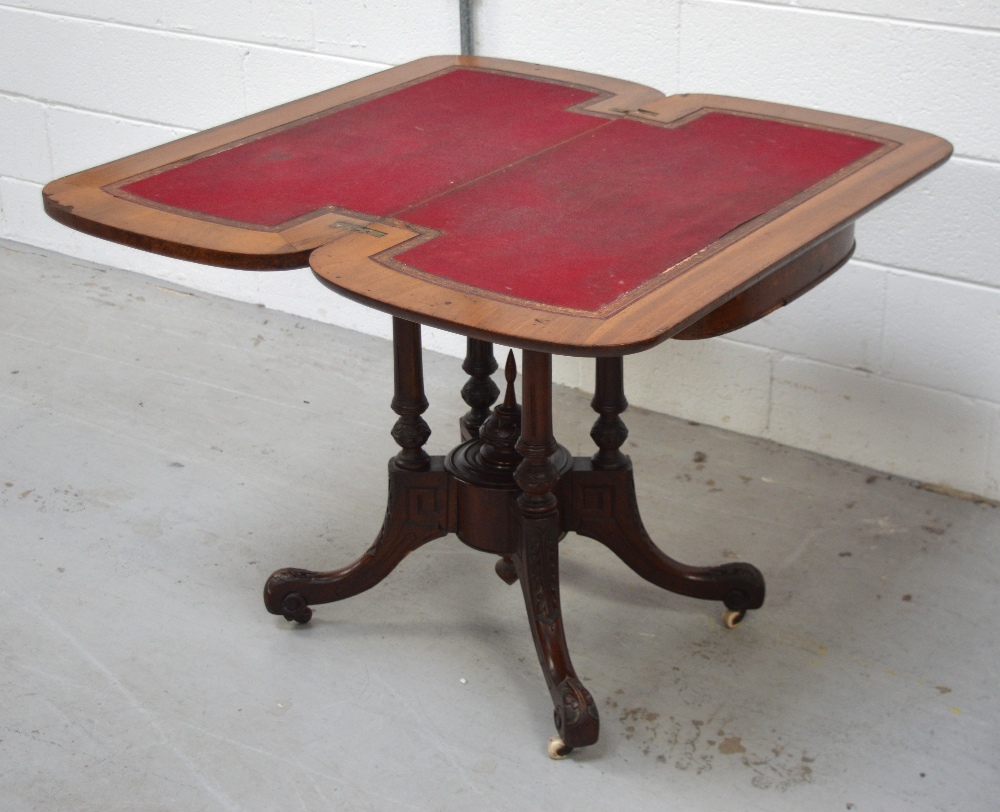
(544, 208)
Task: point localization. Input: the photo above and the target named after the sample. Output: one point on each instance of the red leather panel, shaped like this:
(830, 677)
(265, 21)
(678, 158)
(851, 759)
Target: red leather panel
(535, 202)
(580, 225)
(378, 156)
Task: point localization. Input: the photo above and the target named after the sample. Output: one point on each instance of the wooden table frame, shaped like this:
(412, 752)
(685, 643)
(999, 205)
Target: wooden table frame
(508, 488)
(803, 240)
(512, 491)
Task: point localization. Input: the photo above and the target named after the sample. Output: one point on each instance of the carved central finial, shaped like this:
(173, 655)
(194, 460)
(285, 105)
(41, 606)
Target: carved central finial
(510, 375)
(500, 432)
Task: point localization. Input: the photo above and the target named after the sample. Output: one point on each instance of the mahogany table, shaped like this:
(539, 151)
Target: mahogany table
(555, 211)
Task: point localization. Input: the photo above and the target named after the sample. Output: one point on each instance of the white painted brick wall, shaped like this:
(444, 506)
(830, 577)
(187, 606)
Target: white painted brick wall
(892, 363)
(942, 79)
(79, 139)
(942, 225)
(979, 13)
(25, 151)
(718, 382)
(842, 325)
(387, 31)
(942, 334)
(860, 416)
(992, 477)
(632, 39)
(274, 76)
(118, 69)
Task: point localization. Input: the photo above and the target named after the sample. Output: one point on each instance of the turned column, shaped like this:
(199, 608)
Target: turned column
(536, 476)
(479, 392)
(609, 432)
(408, 401)
(536, 558)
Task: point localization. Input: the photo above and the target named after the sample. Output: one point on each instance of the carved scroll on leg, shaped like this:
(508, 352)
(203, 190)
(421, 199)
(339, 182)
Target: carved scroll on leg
(536, 562)
(536, 556)
(605, 509)
(418, 505)
(417, 512)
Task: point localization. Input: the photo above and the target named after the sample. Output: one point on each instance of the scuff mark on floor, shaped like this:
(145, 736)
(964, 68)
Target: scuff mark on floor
(693, 745)
(731, 746)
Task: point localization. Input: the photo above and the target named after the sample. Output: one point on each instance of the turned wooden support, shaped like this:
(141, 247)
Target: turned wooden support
(479, 392)
(536, 556)
(418, 511)
(609, 432)
(411, 430)
(536, 476)
(603, 507)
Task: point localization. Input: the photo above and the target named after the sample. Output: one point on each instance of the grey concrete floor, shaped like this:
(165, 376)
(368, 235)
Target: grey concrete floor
(163, 451)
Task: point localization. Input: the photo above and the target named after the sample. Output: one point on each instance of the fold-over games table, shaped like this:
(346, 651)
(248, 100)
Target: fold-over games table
(550, 210)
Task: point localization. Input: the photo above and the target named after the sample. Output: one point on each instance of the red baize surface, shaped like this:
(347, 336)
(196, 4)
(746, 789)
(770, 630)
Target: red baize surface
(534, 202)
(583, 224)
(379, 156)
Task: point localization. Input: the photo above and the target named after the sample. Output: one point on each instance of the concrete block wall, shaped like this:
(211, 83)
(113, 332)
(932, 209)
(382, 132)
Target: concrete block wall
(892, 363)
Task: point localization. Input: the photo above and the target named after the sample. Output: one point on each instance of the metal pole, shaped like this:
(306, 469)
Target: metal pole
(465, 24)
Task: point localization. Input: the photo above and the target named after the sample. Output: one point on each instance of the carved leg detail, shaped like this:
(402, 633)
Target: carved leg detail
(417, 513)
(536, 557)
(605, 509)
(536, 563)
(419, 504)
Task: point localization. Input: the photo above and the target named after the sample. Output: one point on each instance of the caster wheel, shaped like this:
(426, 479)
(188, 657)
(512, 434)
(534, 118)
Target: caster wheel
(295, 608)
(303, 616)
(557, 749)
(731, 618)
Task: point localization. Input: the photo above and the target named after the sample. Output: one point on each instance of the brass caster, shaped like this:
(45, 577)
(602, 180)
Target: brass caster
(731, 618)
(557, 749)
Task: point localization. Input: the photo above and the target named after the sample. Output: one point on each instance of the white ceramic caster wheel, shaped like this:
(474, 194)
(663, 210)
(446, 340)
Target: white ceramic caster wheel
(731, 618)
(557, 749)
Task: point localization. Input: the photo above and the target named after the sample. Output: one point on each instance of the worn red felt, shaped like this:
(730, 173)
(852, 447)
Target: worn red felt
(581, 225)
(534, 201)
(379, 156)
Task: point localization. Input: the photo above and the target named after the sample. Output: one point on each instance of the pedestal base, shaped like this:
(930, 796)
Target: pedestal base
(426, 505)
(512, 491)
